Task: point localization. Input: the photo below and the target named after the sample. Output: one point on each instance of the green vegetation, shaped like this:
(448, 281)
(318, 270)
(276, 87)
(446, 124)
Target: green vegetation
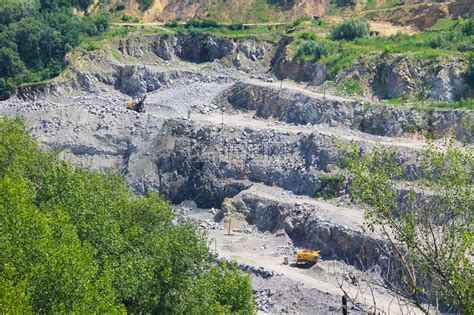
(77, 241)
(208, 26)
(351, 87)
(432, 240)
(129, 19)
(330, 186)
(311, 50)
(35, 37)
(146, 4)
(447, 37)
(195, 23)
(120, 6)
(469, 73)
(467, 103)
(351, 29)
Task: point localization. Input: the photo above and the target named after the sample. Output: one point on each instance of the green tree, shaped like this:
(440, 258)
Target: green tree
(351, 29)
(468, 27)
(10, 63)
(429, 227)
(15, 10)
(146, 4)
(313, 49)
(75, 240)
(36, 35)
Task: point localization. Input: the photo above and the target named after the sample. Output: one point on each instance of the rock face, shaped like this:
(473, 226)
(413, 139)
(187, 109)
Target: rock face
(300, 108)
(286, 67)
(207, 165)
(379, 75)
(309, 223)
(249, 55)
(441, 79)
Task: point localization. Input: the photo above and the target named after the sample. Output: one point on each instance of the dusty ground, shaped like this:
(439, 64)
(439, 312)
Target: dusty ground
(294, 288)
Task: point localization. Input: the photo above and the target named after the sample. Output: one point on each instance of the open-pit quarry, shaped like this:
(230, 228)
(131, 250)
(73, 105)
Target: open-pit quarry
(238, 150)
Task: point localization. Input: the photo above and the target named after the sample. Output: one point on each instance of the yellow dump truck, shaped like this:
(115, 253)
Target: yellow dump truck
(307, 256)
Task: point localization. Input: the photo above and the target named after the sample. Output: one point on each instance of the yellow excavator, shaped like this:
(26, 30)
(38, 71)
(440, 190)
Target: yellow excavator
(307, 256)
(137, 105)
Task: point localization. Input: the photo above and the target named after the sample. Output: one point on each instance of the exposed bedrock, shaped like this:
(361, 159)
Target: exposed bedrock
(208, 163)
(284, 66)
(392, 76)
(381, 76)
(302, 108)
(249, 55)
(334, 230)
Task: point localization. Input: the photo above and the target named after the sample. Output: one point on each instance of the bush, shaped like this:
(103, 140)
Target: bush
(146, 4)
(172, 24)
(300, 21)
(308, 36)
(77, 241)
(330, 186)
(351, 29)
(468, 27)
(312, 49)
(120, 6)
(201, 23)
(236, 27)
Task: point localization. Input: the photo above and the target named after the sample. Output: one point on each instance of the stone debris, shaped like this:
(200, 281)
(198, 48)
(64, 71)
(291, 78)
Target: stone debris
(209, 224)
(263, 299)
(257, 271)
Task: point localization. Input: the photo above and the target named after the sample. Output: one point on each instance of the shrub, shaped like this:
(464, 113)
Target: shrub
(201, 23)
(172, 24)
(351, 29)
(146, 4)
(330, 186)
(468, 27)
(120, 6)
(236, 27)
(308, 36)
(312, 49)
(301, 20)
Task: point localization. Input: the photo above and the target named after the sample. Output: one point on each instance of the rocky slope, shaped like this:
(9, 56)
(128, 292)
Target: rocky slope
(378, 75)
(383, 75)
(225, 10)
(417, 13)
(219, 132)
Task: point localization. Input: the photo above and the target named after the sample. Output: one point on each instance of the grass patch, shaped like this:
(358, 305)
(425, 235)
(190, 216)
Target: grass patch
(464, 103)
(116, 55)
(352, 87)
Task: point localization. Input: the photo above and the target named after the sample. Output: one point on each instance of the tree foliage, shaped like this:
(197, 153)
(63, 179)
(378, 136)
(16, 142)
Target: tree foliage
(351, 29)
(77, 241)
(146, 4)
(312, 49)
(429, 226)
(36, 35)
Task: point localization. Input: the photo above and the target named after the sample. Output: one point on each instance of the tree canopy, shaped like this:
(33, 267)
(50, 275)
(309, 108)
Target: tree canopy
(36, 35)
(351, 29)
(427, 224)
(75, 240)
